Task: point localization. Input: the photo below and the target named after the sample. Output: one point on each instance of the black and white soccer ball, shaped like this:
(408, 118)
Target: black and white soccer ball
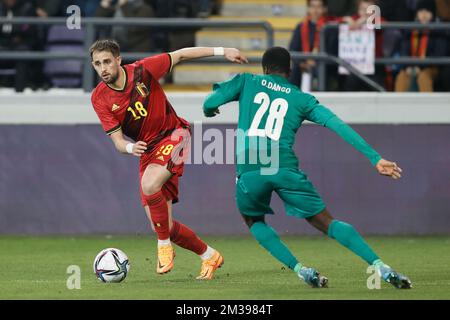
(111, 265)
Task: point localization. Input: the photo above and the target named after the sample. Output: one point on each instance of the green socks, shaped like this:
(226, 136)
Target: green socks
(346, 235)
(297, 267)
(378, 263)
(268, 238)
(343, 232)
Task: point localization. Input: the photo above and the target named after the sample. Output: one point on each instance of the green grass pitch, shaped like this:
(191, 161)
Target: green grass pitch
(35, 268)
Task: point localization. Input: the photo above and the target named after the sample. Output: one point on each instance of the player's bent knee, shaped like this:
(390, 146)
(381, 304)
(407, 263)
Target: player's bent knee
(321, 221)
(150, 187)
(249, 220)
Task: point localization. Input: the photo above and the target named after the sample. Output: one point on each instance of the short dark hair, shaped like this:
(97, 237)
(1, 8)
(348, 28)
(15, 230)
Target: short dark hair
(277, 59)
(105, 45)
(324, 2)
(428, 5)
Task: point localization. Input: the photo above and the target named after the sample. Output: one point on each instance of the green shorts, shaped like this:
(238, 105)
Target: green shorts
(254, 192)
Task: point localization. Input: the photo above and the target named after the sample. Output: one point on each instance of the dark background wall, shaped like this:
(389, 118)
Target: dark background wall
(70, 180)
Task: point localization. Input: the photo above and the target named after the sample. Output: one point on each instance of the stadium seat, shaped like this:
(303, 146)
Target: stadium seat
(198, 74)
(64, 73)
(7, 72)
(283, 15)
(248, 38)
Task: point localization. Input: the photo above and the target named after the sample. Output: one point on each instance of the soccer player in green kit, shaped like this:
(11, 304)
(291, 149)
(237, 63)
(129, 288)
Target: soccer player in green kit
(271, 110)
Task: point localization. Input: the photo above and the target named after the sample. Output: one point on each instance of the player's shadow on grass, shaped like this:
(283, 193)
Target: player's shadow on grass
(253, 274)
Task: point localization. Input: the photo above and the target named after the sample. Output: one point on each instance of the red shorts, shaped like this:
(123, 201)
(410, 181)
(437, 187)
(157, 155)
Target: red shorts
(170, 152)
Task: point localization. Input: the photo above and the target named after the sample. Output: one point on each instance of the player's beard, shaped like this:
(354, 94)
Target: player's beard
(112, 79)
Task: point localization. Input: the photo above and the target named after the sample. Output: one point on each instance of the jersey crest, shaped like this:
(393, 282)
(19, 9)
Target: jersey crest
(142, 89)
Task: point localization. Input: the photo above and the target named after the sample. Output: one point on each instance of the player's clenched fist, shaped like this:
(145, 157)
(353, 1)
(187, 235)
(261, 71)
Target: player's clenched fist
(139, 148)
(211, 113)
(234, 55)
(388, 168)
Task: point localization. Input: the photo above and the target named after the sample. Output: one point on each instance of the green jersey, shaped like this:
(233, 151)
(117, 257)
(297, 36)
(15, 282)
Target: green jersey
(271, 110)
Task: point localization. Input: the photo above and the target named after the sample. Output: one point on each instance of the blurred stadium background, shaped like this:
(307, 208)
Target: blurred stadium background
(60, 175)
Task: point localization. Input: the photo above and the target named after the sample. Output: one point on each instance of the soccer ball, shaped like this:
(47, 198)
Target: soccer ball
(111, 265)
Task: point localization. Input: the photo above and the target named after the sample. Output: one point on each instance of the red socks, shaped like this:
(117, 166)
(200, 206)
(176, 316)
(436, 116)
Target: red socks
(180, 234)
(160, 214)
(186, 238)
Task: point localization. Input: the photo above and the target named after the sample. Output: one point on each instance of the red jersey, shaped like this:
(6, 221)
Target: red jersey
(141, 108)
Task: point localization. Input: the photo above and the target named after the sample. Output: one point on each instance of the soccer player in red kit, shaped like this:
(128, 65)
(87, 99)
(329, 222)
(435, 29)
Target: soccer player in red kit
(129, 101)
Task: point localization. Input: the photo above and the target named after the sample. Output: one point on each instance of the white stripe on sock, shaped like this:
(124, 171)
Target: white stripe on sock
(208, 253)
(164, 242)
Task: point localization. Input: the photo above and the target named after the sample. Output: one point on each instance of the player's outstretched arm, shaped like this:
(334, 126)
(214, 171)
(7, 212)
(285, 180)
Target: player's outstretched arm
(320, 114)
(384, 167)
(232, 54)
(388, 168)
(126, 147)
(223, 93)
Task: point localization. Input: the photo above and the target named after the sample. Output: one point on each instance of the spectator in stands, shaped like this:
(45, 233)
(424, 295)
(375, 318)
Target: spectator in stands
(132, 39)
(177, 38)
(443, 10)
(341, 8)
(43, 9)
(395, 11)
(17, 37)
(217, 7)
(398, 10)
(174, 39)
(443, 13)
(306, 38)
(421, 44)
(205, 7)
(48, 8)
(351, 82)
(209, 7)
(88, 7)
(191, 8)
